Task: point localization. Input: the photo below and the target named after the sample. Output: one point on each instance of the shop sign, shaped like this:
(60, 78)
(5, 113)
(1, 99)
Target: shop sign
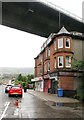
(37, 79)
(46, 76)
(54, 76)
(67, 74)
(40, 78)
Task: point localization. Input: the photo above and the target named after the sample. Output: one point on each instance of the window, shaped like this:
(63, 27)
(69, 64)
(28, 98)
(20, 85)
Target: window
(40, 70)
(49, 66)
(45, 68)
(60, 42)
(54, 63)
(68, 61)
(46, 52)
(60, 61)
(49, 52)
(54, 45)
(67, 45)
(41, 58)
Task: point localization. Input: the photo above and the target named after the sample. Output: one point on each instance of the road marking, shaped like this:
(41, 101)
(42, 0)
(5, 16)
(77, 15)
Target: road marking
(16, 112)
(5, 103)
(4, 110)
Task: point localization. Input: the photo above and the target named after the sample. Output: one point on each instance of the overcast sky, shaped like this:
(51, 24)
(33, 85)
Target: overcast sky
(18, 48)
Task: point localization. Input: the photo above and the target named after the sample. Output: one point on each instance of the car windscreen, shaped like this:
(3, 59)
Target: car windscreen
(15, 87)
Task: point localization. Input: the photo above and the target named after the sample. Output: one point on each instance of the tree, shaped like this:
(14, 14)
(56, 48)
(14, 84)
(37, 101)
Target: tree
(20, 77)
(29, 77)
(79, 66)
(24, 80)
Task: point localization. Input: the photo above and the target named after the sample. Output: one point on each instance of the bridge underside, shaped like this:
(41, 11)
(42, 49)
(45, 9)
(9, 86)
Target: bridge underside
(37, 18)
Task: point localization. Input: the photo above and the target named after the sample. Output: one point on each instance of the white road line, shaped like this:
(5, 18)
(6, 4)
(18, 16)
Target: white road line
(16, 112)
(4, 110)
(6, 103)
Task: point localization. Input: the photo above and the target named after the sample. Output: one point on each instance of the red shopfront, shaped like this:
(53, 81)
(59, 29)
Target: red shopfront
(47, 83)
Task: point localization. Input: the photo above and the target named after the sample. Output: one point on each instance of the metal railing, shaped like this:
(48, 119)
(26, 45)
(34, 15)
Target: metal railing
(61, 10)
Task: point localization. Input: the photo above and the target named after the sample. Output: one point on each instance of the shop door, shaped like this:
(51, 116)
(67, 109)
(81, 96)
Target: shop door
(46, 86)
(54, 86)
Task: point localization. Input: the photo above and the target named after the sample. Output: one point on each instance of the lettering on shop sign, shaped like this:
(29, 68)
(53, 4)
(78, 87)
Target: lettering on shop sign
(53, 74)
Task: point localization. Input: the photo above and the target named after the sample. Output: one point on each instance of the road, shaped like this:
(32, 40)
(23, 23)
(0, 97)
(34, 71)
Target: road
(29, 107)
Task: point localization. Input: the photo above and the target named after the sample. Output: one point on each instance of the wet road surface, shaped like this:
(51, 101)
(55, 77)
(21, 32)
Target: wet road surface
(32, 107)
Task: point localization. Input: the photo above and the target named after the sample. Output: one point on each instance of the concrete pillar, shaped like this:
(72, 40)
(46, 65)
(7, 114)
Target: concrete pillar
(0, 12)
(83, 21)
(83, 10)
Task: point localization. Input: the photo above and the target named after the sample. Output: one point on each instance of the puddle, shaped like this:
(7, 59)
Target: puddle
(72, 105)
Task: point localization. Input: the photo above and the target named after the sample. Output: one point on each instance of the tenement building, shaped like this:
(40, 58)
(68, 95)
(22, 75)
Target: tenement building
(53, 65)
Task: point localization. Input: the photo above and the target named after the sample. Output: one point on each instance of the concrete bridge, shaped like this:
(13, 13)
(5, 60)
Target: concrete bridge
(39, 18)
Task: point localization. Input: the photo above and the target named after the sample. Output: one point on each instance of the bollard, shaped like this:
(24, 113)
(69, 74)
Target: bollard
(16, 103)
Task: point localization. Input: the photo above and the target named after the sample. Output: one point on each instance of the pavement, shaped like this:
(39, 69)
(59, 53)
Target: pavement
(51, 97)
(70, 104)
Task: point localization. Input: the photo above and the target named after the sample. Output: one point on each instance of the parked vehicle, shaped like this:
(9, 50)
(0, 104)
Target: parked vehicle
(15, 91)
(7, 88)
(30, 86)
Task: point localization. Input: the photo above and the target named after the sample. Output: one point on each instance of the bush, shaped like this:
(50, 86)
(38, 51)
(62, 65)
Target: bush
(80, 93)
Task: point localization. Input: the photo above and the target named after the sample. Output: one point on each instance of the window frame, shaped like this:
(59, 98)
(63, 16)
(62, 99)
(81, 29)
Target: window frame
(60, 38)
(62, 62)
(48, 66)
(45, 68)
(67, 38)
(55, 63)
(69, 65)
(48, 51)
(55, 46)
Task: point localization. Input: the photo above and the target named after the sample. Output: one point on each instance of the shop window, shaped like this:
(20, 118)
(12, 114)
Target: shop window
(68, 61)
(67, 40)
(60, 42)
(60, 61)
(54, 45)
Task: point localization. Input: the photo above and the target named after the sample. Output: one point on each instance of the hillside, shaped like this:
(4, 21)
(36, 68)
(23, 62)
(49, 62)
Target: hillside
(11, 70)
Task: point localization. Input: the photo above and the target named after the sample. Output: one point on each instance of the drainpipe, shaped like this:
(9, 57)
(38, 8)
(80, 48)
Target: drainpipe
(43, 70)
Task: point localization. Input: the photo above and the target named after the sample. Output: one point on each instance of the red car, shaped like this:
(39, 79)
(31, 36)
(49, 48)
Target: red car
(15, 91)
